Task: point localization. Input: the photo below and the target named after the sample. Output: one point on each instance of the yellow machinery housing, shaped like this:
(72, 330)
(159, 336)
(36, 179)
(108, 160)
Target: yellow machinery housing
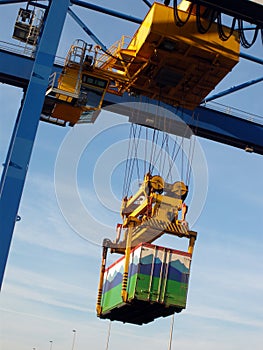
(177, 65)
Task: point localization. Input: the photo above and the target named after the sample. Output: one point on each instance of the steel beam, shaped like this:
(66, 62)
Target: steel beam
(246, 10)
(107, 11)
(147, 3)
(9, 2)
(87, 30)
(211, 124)
(20, 149)
(250, 57)
(232, 89)
(205, 122)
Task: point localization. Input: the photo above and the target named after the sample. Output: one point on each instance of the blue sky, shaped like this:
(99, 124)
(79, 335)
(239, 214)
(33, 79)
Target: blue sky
(50, 285)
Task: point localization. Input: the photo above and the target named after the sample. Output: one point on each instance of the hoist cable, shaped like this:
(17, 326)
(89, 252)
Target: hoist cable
(182, 160)
(151, 154)
(145, 150)
(131, 160)
(160, 150)
(124, 189)
(178, 21)
(163, 154)
(170, 161)
(154, 150)
(167, 152)
(191, 162)
(188, 162)
(136, 153)
(174, 156)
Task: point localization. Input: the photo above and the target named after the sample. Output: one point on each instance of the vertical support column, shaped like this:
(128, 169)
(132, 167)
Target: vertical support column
(102, 271)
(192, 240)
(20, 148)
(124, 293)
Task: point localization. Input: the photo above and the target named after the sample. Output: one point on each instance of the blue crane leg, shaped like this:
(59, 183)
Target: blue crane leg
(16, 165)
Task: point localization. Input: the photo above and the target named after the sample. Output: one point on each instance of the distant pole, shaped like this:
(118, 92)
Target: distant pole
(74, 338)
(171, 333)
(51, 343)
(108, 337)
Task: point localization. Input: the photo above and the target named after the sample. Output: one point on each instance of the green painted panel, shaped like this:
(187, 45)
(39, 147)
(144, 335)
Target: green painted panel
(172, 293)
(112, 298)
(143, 288)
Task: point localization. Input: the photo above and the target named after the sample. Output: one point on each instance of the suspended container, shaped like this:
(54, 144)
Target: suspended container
(157, 285)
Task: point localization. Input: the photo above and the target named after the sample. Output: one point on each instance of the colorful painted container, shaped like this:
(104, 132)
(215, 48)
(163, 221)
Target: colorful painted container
(157, 285)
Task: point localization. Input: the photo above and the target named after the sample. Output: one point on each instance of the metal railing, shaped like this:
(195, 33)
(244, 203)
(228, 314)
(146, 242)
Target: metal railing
(234, 112)
(22, 50)
(112, 52)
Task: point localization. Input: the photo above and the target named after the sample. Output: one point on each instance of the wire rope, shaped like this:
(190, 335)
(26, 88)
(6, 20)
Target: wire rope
(156, 158)
(145, 150)
(151, 154)
(182, 159)
(131, 161)
(132, 158)
(191, 156)
(170, 161)
(124, 189)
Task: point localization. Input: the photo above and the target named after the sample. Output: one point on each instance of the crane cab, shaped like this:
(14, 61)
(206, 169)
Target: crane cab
(27, 26)
(76, 95)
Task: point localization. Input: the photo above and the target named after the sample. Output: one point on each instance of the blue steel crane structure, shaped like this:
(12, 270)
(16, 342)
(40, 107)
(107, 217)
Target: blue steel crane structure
(33, 78)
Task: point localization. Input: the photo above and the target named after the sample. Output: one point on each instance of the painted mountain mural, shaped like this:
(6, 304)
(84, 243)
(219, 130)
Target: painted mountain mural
(144, 262)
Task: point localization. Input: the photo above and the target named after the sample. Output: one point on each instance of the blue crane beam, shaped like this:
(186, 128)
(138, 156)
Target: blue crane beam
(204, 122)
(87, 30)
(21, 145)
(15, 70)
(233, 89)
(9, 2)
(107, 11)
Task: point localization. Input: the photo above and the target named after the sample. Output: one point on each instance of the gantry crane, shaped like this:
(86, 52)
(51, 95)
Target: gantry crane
(45, 33)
